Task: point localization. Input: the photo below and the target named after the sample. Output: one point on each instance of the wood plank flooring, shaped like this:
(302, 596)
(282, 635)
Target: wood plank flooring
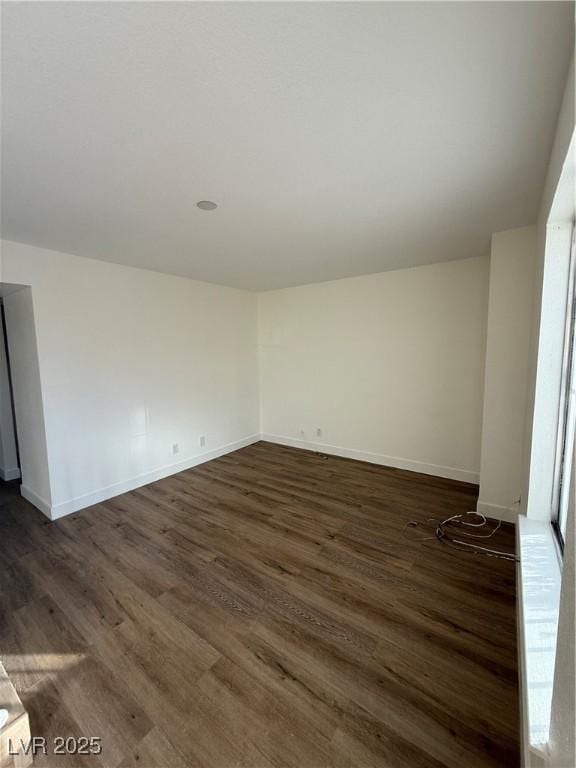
(266, 609)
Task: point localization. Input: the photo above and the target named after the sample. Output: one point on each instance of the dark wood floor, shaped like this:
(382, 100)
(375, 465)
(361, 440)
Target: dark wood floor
(269, 608)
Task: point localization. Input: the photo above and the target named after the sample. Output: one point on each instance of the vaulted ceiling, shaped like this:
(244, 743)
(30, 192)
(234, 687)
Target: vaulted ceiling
(337, 138)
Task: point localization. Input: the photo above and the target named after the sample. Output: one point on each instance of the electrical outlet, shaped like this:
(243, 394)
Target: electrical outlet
(302, 434)
(202, 441)
(175, 448)
(318, 431)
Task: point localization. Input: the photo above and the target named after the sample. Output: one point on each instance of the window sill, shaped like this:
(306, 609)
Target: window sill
(539, 577)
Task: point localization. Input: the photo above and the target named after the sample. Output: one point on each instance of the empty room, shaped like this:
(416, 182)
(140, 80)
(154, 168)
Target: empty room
(287, 384)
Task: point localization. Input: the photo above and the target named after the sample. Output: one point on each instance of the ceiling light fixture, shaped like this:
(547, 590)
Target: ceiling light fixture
(206, 205)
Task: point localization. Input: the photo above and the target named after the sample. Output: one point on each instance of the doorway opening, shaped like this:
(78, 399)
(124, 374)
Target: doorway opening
(10, 466)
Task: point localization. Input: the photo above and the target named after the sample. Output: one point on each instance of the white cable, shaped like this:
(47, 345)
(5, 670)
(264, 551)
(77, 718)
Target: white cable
(460, 519)
(443, 536)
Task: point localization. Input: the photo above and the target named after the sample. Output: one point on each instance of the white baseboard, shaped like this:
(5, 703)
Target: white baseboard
(497, 512)
(61, 509)
(9, 474)
(452, 473)
(37, 501)
(57, 511)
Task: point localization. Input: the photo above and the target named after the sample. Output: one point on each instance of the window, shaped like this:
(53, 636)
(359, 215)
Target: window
(567, 414)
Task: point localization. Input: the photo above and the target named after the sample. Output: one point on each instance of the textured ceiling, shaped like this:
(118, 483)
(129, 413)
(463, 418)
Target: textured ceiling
(337, 138)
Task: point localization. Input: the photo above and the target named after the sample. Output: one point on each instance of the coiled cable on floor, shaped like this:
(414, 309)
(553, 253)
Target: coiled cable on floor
(474, 520)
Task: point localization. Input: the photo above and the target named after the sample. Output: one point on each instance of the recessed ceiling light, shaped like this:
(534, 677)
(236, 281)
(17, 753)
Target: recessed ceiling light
(206, 205)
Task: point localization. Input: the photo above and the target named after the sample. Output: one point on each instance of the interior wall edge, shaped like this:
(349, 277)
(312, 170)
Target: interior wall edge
(507, 362)
(37, 501)
(450, 473)
(9, 474)
(497, 511)
(29, 397)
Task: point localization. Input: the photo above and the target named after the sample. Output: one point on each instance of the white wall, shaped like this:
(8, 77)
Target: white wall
(130, 363)
(9, 469)
(28, 396)
(510, 309)
(389, 366)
